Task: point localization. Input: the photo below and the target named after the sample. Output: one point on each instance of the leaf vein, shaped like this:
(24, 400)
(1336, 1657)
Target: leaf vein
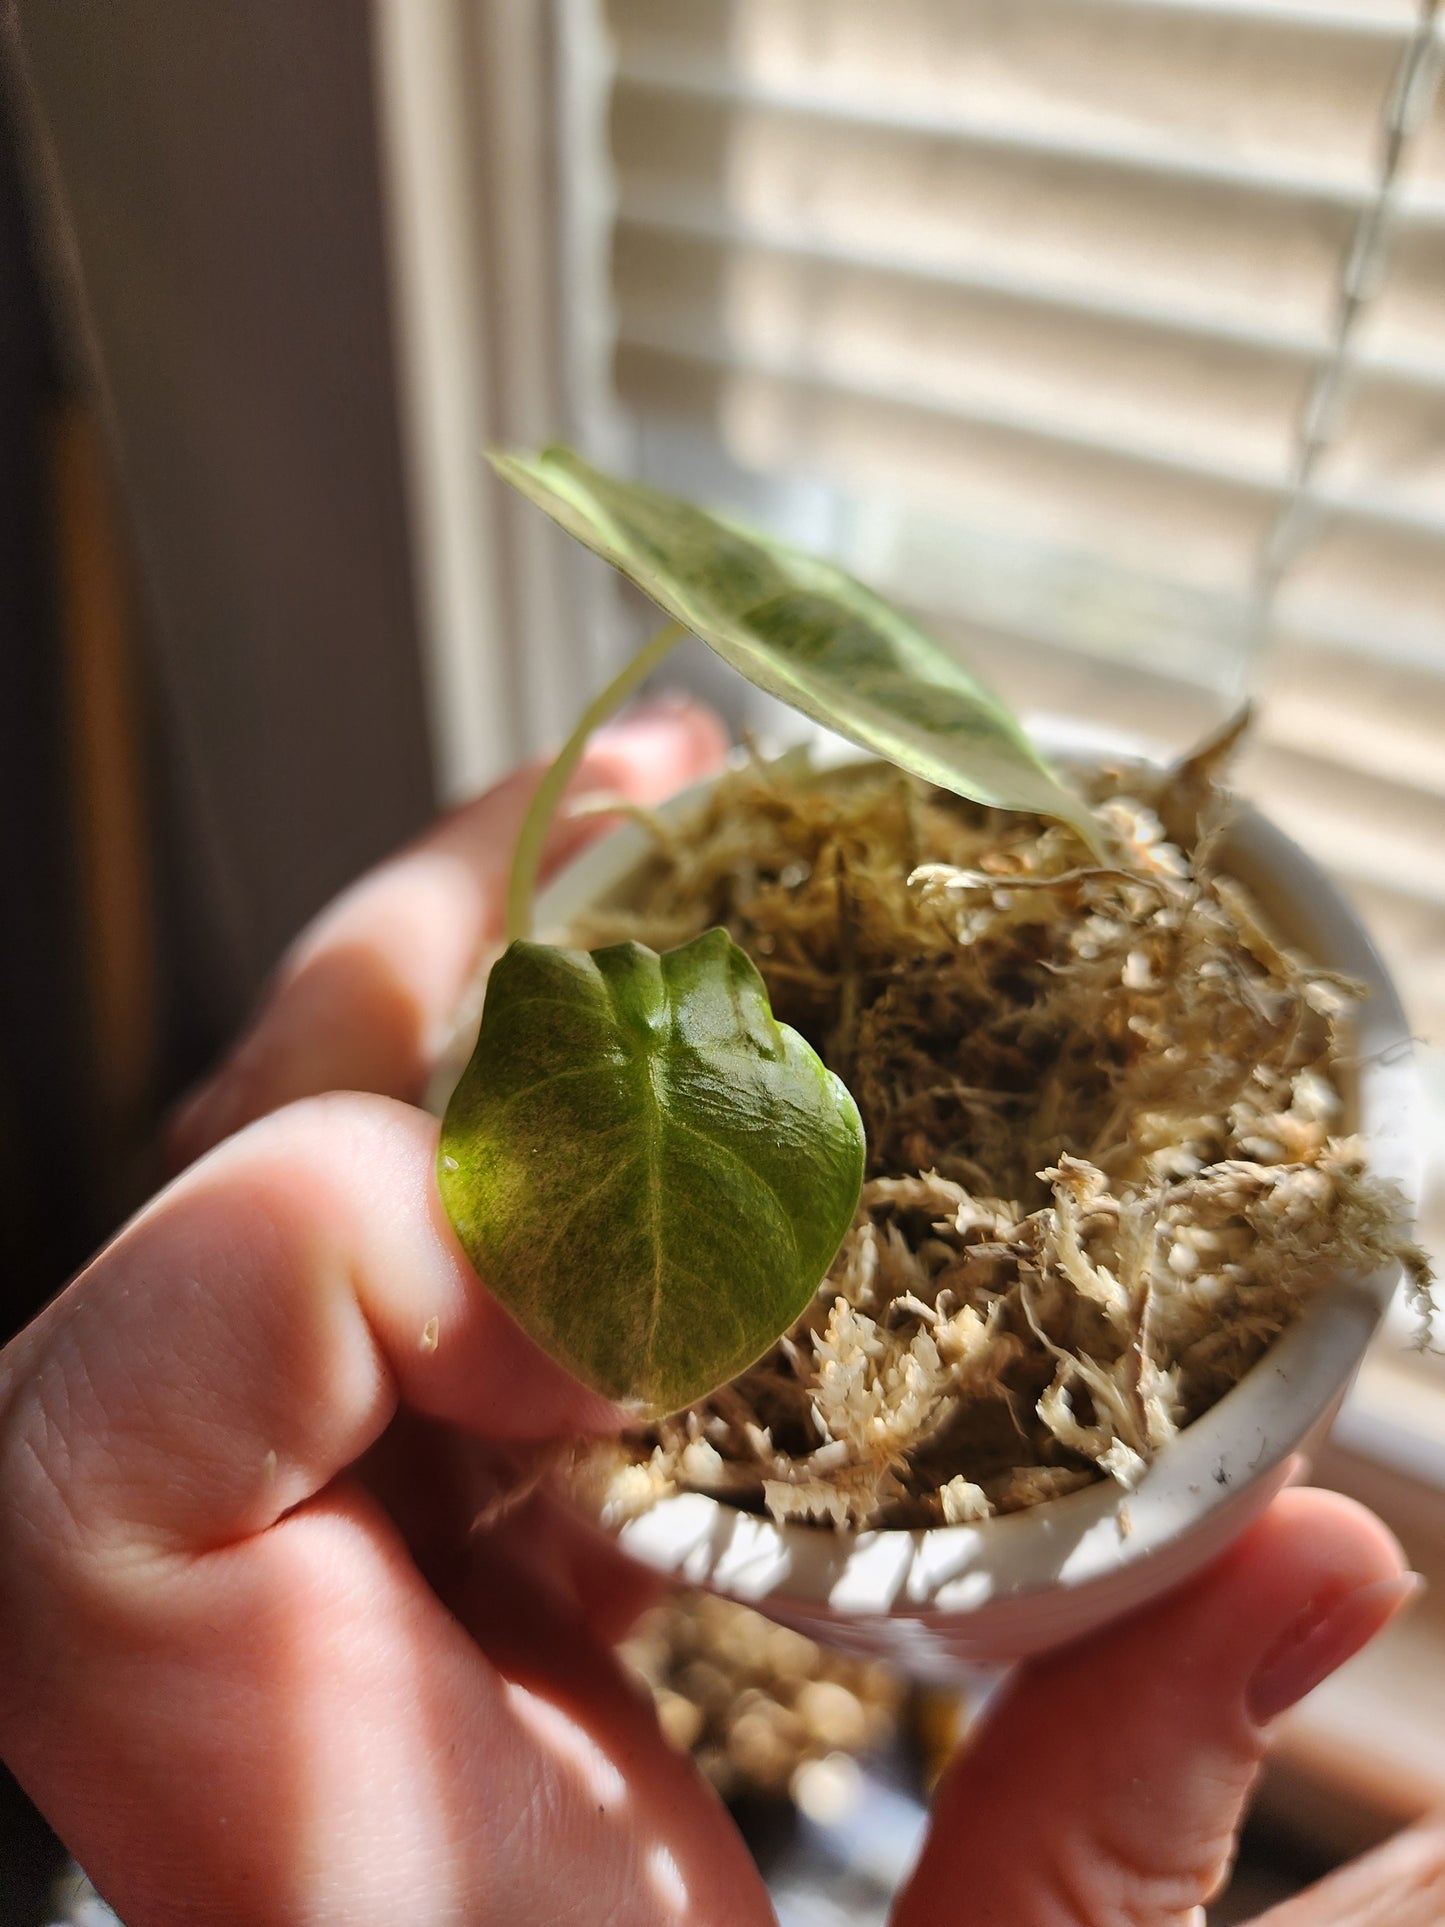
(541, 1083)
(727, 1151)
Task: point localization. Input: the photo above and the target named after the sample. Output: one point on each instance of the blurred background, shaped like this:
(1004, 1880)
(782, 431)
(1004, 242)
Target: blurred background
(1109, 335)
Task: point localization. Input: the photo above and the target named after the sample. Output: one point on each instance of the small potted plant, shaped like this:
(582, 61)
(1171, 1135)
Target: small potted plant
(954, 1167)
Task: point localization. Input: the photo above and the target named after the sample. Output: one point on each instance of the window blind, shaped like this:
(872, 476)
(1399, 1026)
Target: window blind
(1022, 308)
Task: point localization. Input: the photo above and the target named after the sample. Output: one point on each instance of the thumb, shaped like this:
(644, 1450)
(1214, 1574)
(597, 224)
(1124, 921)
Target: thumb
(1108, 1781)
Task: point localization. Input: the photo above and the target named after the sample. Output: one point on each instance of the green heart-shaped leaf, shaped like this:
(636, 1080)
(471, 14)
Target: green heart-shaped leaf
(806, 632)
(647, 1169)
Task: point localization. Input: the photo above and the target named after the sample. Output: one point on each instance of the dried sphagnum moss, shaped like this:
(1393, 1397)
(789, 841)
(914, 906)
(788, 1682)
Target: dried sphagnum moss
(1103, 1163)
(756, 1704)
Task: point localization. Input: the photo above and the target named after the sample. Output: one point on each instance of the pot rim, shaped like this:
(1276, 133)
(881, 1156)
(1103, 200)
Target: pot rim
(1194, 1485)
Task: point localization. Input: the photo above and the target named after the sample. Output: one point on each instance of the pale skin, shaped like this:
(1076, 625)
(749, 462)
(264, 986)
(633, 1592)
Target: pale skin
(258, 1670)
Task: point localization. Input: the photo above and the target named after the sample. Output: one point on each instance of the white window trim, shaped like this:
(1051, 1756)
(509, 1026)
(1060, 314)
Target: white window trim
(499, 212)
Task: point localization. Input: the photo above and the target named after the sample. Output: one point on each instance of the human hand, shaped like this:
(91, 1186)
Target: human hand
(1107, 1782)
(226, 1679)
(256, 1670)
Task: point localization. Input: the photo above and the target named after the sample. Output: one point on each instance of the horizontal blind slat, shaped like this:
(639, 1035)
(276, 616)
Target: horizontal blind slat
(900, 409)
(1390, 20)
(1380, 720)
(685, 84)
(644, 210)
(1094, 376)
(1043, 491)
(1385, 835)
(1193, 246)
(1272, 106)
(1202, 401)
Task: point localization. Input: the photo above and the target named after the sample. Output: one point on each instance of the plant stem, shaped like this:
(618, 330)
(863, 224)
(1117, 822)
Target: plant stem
(527, 856)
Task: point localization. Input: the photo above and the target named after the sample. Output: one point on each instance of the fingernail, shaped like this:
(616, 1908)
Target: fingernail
(664, 707)
(663, 702)
(1322, 1639)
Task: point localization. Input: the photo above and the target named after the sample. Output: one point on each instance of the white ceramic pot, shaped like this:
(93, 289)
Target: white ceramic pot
(934, 1600)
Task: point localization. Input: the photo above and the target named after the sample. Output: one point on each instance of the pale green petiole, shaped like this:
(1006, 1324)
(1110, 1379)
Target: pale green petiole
(527, 857)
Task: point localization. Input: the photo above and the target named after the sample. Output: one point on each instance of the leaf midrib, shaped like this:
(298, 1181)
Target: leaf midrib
(652, 1154)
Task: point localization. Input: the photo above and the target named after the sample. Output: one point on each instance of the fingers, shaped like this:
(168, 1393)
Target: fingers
(224, 1679)
(369, 991)
(1401, 1884)
(1108, 1781)
(575, 1563)
(295, 1729)
(454, 1499)
(249, 1336)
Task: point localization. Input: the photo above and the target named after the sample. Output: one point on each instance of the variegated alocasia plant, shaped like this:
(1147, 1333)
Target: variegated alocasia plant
(650, 1172)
